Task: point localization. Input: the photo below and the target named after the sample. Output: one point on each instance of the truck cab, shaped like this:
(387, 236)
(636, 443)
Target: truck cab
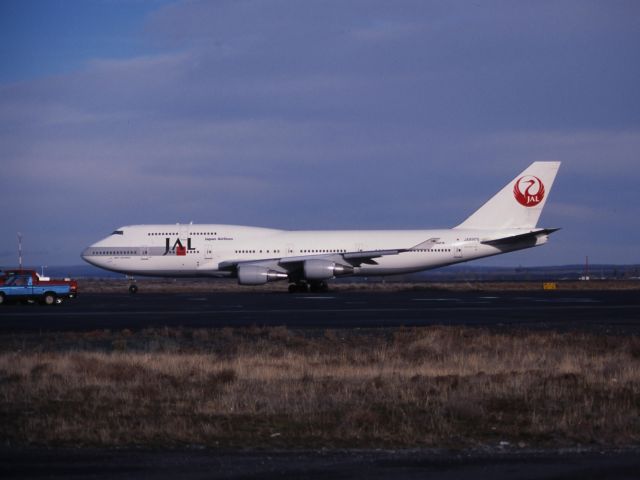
(26, 286)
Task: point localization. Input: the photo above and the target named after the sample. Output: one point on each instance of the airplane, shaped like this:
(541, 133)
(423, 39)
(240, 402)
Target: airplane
(307, 259)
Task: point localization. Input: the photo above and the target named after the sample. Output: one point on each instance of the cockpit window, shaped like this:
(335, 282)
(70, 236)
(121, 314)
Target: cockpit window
(118, 232)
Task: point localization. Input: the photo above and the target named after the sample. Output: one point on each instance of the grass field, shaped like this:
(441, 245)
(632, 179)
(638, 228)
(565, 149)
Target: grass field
(275, 387)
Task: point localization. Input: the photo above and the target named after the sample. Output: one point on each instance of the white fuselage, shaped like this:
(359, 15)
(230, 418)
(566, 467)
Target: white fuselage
(199, 250)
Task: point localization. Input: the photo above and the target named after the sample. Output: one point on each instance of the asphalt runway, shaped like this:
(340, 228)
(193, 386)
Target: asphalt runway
(343, 464)
(614, 312)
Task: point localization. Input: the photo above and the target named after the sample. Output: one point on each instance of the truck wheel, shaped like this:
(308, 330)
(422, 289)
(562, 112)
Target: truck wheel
(2, 302)
(49, 298)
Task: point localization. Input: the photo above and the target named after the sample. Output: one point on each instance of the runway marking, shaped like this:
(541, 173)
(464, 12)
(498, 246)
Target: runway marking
(436, 299)
(578, 300)
(567, 300)
(317, 298)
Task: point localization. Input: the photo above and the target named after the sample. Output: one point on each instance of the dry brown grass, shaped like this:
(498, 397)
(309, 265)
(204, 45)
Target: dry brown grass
(276, 387)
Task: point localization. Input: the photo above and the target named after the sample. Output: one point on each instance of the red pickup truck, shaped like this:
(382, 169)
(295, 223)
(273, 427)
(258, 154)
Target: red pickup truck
(27, 285)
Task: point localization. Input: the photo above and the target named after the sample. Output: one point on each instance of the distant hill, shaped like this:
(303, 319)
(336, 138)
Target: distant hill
(560, 272)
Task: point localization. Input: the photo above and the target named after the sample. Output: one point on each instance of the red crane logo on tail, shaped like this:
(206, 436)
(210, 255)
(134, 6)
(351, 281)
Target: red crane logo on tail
(529, 191)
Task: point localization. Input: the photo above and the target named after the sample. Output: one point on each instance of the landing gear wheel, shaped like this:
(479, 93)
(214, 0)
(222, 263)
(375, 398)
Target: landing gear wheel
(300, 287)
(319, 287)
(133, 289)
(2, 299)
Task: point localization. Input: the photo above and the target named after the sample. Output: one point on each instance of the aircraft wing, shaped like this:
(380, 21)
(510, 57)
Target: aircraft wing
(354, 259)
(358, 258)
(317, 266)
(427, 244)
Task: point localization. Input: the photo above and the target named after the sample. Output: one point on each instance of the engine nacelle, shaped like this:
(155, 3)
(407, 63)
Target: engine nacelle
(257, 275)
(324, 269)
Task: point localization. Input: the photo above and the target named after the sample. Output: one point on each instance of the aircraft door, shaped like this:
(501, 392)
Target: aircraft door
(208, 249)
(457, 251)
(184, 234)
(289, 250)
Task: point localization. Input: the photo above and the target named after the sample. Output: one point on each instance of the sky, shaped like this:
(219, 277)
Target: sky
(329, 114)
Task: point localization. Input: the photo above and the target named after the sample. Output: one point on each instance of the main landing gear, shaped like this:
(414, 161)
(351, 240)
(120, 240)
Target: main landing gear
(304, 287)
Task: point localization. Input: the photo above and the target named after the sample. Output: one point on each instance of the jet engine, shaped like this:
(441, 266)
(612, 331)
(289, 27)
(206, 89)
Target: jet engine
(258, 275)
(324, 269)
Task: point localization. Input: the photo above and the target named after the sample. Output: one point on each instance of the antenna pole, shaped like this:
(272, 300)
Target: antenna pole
(586, 266)
(20, 250)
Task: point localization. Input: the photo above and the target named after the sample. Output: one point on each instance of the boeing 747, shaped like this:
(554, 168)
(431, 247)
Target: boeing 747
(307, 259)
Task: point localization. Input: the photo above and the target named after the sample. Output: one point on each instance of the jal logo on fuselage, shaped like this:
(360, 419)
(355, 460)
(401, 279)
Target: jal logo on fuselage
(177, 248)
(528, 191)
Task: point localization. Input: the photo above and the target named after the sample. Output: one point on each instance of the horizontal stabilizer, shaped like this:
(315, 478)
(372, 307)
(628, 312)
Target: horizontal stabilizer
(519, 238)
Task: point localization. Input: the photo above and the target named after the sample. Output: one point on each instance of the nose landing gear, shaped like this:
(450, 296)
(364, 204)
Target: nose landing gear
(133, 288)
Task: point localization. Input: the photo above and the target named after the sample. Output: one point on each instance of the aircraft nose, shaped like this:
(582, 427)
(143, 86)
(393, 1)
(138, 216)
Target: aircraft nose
(87, 255)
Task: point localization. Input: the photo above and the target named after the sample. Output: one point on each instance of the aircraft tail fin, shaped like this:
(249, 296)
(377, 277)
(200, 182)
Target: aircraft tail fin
(520, 203)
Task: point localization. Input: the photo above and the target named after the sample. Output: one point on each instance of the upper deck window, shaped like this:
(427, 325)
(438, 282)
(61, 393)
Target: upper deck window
(118, 232)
